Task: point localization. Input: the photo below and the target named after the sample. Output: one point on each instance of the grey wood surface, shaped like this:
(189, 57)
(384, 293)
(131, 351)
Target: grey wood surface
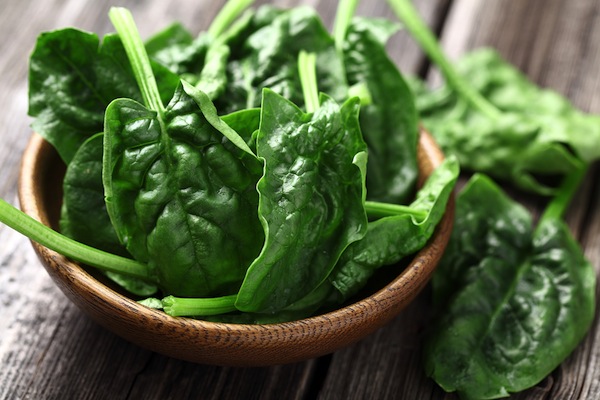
(50, 350)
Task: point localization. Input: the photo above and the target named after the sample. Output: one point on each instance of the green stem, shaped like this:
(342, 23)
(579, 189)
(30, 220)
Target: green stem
(559, 204)
(343, 16)
(40, 233)
(307, 68)
(194, 307)
(376, 209)
(230, 11)
(418, 28)
(138, 58)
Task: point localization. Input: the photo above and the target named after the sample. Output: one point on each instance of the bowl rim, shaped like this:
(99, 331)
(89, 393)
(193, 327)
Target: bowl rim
(349, 323)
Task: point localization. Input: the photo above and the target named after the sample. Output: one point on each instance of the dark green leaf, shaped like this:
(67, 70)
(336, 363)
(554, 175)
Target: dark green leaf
(311, 199)
(267, 58)
(72, 78)
(182, 197)
(513, 302)
(245, 123)
(390, 239)
(201, 61)
(389, 122)
(84, 216)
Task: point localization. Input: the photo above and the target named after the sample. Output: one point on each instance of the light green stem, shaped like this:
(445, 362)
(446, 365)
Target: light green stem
(53, 240)
(376, 209)
(230, 11)
(138, 58)
(559, 204)
(343, 16)
(198, 307)
(307, 68)
(411, 19)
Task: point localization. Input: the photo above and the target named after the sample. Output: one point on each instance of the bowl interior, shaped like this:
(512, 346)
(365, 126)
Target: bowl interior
(217, 343)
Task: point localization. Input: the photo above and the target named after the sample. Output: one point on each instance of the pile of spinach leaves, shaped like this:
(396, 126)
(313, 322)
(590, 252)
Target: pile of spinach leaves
(263, 171)
(512, 298)
(259, 172)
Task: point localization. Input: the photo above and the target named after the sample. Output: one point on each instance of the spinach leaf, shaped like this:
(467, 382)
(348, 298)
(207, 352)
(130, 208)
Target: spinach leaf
(175, 48)
(513, 301)
(201, 61)
(267, 58)
(536, 134)
(391, 238)
(311, 199)
(72, 78)
(181, 197)
(245, 123)
(179, 183)
(496, 121)
(83, 215)
(389, 120)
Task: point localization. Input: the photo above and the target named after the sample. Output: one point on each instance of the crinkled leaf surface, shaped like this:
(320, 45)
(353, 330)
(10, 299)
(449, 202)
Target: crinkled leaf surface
(536, 135)
(513, 302)
(182, 197)
(392, 238)
(72, 79)
(389, 122)
(201, 61)
(268, 58)
(311, 199)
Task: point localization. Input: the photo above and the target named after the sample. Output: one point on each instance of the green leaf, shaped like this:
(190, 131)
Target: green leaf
(512, 302)
(245, 123)
(182, 199)
(539, 133)
(72, 79)
(392, 238)
(311, 199)
(83, 214)
(84, 217)
(389, 121)
(267, 58)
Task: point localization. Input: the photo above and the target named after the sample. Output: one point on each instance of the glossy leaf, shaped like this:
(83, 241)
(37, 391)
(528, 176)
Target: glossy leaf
(389, 121)
(181, 195)
(83, 215)
(201, 61)
(311, 199)
(538, 134)
(72, 79)
(513, 301)
(267, 58)
(390, 239)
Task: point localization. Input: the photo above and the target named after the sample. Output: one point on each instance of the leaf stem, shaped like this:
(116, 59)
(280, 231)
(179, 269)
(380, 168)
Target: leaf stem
(376, 209)
(195, 307)
(230, 11)
(138, 58)
(307, 68)
(559, 204)
(343, 16)
(411, 19)
(40, 233)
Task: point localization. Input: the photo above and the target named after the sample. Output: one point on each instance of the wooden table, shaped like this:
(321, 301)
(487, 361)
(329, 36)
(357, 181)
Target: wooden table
(51, 350)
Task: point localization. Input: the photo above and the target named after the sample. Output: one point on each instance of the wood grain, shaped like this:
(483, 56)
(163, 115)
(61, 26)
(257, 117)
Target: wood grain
(50, 350)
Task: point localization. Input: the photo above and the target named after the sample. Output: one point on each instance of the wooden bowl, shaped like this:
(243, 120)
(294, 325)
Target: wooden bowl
(219, 343)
